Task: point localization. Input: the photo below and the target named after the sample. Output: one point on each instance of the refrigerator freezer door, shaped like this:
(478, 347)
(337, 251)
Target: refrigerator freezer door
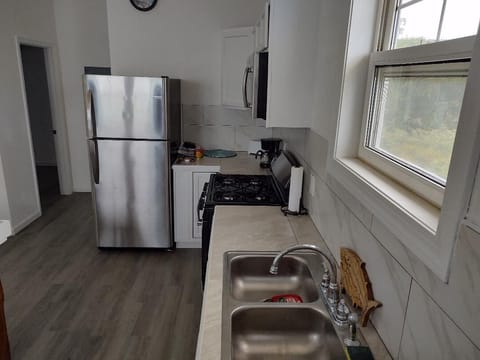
(132, 193)
(127, 107)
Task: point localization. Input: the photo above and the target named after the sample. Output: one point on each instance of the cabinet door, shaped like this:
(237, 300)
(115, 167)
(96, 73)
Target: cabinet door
(182, 205)
(292, 47)
(237, 65)
(261, 30)
(199, 179)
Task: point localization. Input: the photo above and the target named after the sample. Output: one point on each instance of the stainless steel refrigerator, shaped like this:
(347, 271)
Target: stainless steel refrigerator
(134, 130)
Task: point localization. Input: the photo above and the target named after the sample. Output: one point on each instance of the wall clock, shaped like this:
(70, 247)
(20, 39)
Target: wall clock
(144, 5)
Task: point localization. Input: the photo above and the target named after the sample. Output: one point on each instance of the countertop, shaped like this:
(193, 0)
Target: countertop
(243, 163)
(253, 228)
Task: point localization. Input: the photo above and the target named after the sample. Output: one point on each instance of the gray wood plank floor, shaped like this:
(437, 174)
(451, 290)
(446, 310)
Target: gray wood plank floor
(65, 299)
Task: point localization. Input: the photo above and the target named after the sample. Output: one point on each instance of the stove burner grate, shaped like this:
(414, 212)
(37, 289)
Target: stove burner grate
(244, 189)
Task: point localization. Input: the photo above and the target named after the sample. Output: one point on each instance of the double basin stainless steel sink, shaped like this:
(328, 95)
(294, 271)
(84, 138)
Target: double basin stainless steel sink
(254, 329)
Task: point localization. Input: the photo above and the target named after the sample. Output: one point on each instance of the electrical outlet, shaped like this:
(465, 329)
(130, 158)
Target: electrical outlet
(312, 185)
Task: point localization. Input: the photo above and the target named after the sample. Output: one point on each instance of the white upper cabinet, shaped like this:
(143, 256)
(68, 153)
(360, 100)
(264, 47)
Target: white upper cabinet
(292, 47)
(237, 67)
(261, 30)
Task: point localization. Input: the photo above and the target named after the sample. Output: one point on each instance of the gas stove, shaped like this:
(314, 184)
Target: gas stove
(226, 189)
(242, 190)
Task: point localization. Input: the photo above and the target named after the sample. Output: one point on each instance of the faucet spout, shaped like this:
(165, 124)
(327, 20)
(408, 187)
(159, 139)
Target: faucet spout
(329, 292)
(333, 268)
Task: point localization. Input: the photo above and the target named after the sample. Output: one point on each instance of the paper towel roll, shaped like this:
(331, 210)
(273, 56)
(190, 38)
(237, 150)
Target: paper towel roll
(296, 181)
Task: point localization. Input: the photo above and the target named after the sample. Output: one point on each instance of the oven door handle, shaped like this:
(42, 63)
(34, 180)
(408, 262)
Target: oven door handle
(201, 204)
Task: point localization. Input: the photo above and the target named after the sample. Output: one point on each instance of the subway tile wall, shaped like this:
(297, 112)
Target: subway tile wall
(216, 127)
(421, 317)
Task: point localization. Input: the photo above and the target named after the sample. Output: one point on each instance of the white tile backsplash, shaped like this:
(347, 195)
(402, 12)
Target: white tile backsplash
(430, 334)
(243, 134)
(316, 150)
(459, 298)
(219, 115)
(214, 127)
(295, 140)
(441, 319)
(218, 137)
(360, 211)
(192, 114)
(390, 282)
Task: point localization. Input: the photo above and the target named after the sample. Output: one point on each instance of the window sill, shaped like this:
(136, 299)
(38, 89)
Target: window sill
(413, 220)
(424, 213)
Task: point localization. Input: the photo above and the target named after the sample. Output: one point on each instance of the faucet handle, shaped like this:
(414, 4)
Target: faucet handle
(343, 311)
(332, 295)
(325, 280)
(352, 340)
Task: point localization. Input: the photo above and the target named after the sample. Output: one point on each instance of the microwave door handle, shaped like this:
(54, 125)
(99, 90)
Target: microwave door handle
(248, 70)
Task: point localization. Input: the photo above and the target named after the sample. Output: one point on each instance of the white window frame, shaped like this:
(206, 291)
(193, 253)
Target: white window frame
(417, 226)
(450, 50)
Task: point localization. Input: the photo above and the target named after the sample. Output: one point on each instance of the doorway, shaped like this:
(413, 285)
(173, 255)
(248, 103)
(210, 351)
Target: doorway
(41, 123)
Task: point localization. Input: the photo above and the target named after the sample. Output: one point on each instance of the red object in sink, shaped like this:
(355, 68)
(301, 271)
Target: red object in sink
(285, 298)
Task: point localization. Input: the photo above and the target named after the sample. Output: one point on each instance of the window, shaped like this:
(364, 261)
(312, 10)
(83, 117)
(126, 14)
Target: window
(420, 22)
(416, 85)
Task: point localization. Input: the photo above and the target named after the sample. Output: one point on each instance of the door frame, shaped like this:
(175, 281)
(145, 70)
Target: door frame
(52, 66)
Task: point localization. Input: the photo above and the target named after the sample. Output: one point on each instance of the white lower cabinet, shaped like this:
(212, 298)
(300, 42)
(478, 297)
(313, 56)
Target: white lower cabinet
(188, 183)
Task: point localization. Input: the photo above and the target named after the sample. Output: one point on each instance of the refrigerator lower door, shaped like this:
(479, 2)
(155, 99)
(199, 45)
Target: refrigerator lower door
(132, 193)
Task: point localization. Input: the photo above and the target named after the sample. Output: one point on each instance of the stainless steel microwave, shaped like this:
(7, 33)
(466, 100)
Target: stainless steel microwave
(256, 88)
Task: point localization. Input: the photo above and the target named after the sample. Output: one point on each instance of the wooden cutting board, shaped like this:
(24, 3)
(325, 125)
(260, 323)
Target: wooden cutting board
(356, 284)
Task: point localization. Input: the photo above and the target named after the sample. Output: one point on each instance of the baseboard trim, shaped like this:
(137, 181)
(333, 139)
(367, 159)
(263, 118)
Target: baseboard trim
(25, 222)
(5, 230)
(188, 244)
(82, 190)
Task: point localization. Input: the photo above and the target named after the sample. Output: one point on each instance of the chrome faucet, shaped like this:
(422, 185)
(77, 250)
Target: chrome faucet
(329, 287)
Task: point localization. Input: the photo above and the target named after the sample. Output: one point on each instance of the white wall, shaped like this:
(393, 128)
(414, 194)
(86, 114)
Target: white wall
(178, 38)
(33, 20)
(216, 127)
(83, 40)
(82, 34)
(4, 205)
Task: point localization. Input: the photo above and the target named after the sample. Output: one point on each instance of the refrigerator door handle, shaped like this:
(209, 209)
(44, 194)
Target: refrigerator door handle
(248, 70)
(91, 121)
(93, 149)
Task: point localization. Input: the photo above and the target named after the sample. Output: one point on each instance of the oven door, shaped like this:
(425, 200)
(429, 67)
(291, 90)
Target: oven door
(204, 218)
(199, 192)
(206, 232)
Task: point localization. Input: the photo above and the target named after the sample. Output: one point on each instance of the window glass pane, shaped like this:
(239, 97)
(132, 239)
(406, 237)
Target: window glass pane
(460, 19)
(416, 110)
(417, 24)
